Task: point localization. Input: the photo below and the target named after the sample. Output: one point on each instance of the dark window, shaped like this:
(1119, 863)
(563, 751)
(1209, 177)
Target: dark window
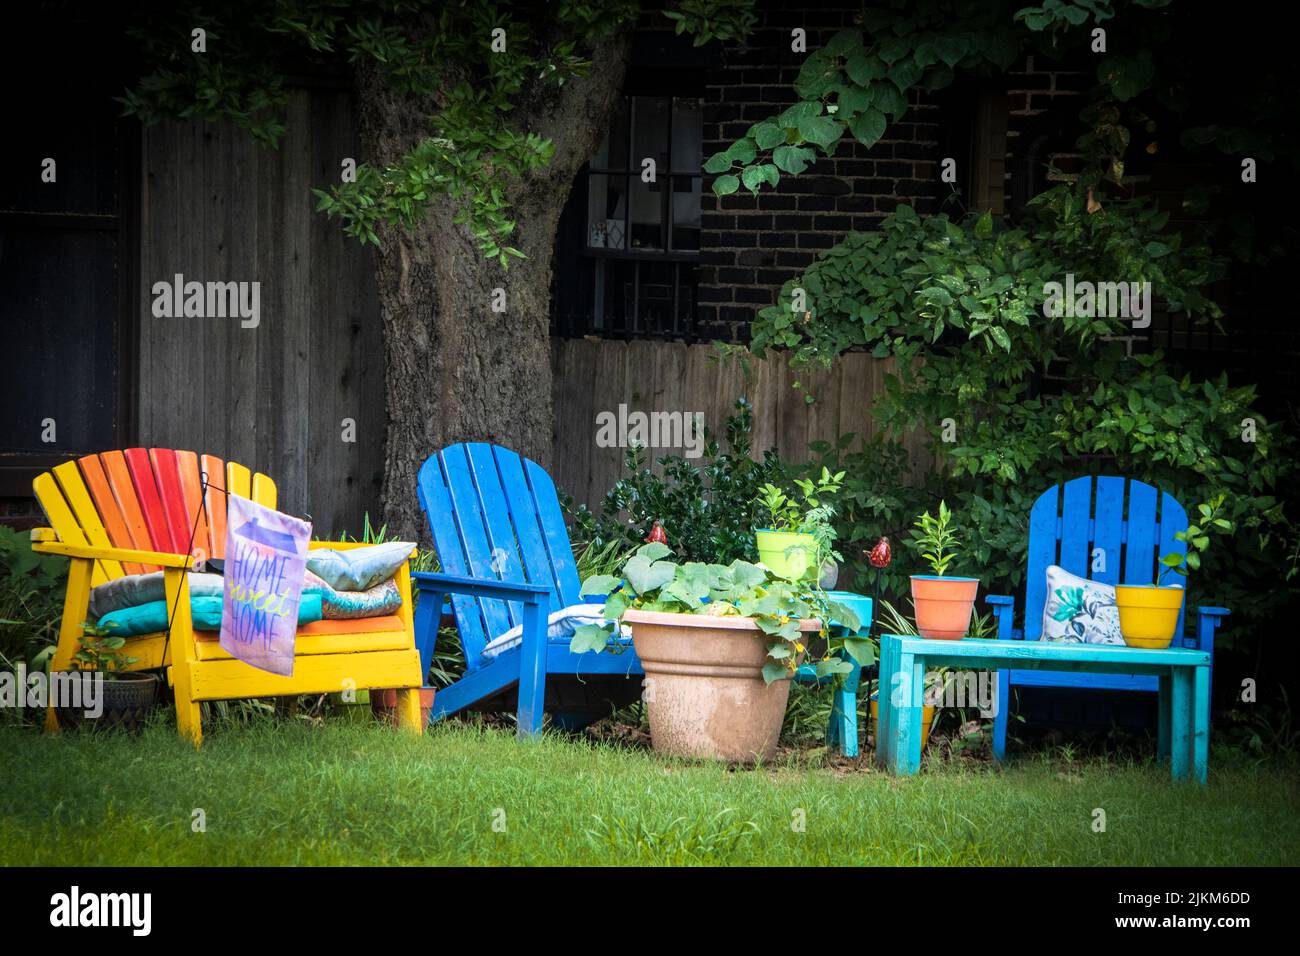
(65, 263)
(628, 250)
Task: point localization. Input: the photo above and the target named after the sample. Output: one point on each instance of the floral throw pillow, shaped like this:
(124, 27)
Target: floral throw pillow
(1079, 611)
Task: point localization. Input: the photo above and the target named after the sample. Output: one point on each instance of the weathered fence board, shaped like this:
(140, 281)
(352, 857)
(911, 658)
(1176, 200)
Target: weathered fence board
(597, 376)
(218, 207)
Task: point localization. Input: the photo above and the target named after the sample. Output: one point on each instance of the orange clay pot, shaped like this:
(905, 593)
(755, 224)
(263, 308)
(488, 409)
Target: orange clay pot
(943, 605)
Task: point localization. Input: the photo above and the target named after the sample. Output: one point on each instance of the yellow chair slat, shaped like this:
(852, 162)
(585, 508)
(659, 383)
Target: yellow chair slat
(87, 515)
(238, 479)
(264, 490)
(312, 674)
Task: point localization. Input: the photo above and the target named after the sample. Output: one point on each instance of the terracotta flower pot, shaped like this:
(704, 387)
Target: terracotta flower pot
(705, 694)
(384, 705)
(943, 605)
(1148, 614)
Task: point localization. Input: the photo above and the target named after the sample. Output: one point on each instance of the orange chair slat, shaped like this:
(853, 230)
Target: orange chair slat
(146, 489)
(215, 469)
(167, 473)
(110, 512)
(187, 463)
(119, 480)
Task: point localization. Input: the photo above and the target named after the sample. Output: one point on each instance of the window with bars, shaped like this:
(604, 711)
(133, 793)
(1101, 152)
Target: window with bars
(630, 242)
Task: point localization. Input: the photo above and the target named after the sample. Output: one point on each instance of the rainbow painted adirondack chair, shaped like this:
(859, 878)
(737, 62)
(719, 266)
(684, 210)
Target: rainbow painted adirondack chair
(506, 560)
(1120, 527)
(132, 511)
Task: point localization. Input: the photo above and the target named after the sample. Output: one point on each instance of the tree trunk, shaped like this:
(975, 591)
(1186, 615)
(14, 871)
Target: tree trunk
(455, 370)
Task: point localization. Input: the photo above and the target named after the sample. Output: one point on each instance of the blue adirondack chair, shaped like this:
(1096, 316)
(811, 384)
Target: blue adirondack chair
(1081, 525)
(506, 560)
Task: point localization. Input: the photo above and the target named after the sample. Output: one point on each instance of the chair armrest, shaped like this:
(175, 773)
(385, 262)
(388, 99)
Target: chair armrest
(96, 553)
(1004, 610)
(478, 587)
(1208, 620)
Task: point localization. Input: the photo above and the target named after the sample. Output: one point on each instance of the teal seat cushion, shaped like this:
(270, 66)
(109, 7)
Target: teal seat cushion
(205, 612)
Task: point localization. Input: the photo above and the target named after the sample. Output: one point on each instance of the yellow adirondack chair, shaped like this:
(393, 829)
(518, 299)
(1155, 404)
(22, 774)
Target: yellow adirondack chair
(131, 511)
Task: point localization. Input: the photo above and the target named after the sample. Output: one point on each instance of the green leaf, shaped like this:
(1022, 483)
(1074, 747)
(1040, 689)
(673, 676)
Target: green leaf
(646, 576)
(789, 159)
(868, 127)
(718, 163)
(861, 650)
(600, 584)
(774, 671)
(821, 130)
(766, 136)
(590, 637)
(863, 69)
(726, 185)
(984, 225)
(742, 151)
(654, 550)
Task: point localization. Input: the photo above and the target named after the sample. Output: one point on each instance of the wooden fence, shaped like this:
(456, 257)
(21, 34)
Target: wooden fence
(594, 376)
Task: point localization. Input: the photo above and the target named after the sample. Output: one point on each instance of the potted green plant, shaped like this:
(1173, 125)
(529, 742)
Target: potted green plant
(943, 603)
(719, 644)
(1148, 613)
(124, 697)
(800, 539)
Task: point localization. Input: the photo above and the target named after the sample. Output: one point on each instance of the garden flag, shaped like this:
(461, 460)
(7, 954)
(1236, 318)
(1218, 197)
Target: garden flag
(266, 559)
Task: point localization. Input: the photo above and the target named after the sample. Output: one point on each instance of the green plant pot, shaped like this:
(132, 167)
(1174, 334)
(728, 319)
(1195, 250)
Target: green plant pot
(788, 554)
(356, 711)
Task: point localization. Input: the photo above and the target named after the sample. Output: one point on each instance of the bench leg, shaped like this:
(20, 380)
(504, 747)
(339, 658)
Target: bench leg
(909, 698)
(1181, 723)
(1201, 724)
(884, 703)
(1164, 716)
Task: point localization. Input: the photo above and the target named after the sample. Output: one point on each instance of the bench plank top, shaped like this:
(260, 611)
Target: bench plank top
(1056, 656)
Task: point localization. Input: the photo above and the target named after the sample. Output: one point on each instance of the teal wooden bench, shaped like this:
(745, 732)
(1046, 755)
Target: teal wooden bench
(1182, 675)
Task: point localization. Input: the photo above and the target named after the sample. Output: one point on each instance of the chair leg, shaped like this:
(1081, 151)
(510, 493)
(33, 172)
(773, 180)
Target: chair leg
(408, 710)
(189, 719)
(1001, 716)
(75, 602)
(843, 729)
(532, 671)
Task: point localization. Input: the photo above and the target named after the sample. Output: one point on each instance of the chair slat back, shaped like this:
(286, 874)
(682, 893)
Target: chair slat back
(146, 500)
(1107, 529)
(495, 515)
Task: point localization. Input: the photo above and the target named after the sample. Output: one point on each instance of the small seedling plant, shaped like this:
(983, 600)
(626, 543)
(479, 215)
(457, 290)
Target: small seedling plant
(101, 651)
(1197, 539)
(650, 581)
(936, 540)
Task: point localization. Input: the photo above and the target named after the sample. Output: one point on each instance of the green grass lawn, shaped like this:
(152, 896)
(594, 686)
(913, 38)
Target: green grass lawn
(288, 792)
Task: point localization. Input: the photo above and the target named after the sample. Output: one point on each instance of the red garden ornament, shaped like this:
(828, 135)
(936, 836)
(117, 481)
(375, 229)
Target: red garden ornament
(880, 555)
(657, 535)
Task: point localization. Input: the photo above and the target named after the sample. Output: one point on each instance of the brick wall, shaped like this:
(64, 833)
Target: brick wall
(750, 246)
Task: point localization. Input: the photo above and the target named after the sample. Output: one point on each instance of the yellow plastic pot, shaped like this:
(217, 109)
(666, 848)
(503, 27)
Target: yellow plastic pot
(927, 718)
(1148, 614)
(788, 554)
